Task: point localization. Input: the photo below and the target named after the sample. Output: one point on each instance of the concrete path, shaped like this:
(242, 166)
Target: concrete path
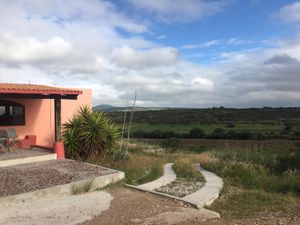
(168, 177)
(203, 197)
(207, 194)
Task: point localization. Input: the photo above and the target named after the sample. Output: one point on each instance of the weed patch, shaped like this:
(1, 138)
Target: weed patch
(82, 188)
(184, 168)
(241, 203)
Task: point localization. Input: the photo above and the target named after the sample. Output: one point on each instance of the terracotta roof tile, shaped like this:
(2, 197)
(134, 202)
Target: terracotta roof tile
(36, 89)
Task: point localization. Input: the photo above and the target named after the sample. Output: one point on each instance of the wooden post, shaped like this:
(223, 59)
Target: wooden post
(57, 113)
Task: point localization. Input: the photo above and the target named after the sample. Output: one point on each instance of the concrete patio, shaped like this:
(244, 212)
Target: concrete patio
(35, 173)
(40, 175)
(21, 156)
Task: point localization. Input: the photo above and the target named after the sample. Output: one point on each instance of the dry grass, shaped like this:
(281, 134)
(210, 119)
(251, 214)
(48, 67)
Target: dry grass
(184, 168)
(249, 188)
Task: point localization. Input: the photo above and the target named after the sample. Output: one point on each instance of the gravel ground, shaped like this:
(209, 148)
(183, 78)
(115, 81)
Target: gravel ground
(181, 187)
(125, 206)
(275, 218)
(67, 210)
(35, 176)
(132, 207)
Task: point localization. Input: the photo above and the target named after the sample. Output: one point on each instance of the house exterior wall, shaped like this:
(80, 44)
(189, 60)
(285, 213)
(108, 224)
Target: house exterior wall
(39, 116)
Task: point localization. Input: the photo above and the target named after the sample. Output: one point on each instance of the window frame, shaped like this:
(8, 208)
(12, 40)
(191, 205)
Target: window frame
(10, 121)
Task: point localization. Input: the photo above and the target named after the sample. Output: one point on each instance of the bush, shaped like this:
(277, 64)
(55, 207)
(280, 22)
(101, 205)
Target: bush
(89, 134)
(172, 143)
(230, 125)
(218, 133)
(197, 133)
(156, 134)
(287, 160)
(274, 170)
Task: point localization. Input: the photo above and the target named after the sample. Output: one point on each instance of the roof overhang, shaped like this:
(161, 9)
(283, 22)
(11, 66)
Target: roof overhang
(37, 91)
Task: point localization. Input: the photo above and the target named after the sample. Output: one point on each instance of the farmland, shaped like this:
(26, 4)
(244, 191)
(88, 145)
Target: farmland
(208, 128)
(214, 123)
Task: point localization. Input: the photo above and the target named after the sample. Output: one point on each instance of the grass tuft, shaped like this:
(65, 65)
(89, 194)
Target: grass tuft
(82, 188)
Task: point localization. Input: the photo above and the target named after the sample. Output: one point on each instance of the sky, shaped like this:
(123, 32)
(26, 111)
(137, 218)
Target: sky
(174, 53)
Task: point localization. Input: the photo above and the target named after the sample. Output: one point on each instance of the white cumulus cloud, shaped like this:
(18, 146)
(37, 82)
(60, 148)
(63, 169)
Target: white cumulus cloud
(290, 12)
(180, 10)
(30, 50)
(132, 58)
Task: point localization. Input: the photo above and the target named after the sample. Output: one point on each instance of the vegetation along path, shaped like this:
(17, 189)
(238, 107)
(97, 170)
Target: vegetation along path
(203, 197)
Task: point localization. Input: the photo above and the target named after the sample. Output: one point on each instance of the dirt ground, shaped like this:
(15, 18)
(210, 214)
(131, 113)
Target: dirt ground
(135, 207)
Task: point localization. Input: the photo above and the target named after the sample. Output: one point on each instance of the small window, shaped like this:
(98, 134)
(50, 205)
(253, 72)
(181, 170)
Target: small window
(11, 113)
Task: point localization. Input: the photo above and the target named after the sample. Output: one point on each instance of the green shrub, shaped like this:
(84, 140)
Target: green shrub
(218, 133)
(197, 133)
(89, 134)
(252, 177)
(276, 161)
(230, 125)
(286, 160)
(172, 143)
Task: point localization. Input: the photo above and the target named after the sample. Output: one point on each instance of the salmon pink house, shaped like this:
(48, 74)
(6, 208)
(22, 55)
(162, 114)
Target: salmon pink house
(37, 112)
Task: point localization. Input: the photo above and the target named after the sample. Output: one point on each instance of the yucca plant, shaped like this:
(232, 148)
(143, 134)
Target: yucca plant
(89, 134)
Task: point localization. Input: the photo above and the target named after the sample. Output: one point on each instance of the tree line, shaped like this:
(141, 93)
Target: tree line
(218, 133)
(265, 115)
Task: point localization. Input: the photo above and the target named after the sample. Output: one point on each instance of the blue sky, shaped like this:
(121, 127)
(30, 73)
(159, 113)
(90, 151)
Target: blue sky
(241, 25)
(179, 53)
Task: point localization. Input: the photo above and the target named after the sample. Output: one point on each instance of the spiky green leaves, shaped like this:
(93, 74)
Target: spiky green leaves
(89, 134)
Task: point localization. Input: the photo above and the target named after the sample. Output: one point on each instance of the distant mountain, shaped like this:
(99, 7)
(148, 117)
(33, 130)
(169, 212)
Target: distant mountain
(110, 108)
(107, 108)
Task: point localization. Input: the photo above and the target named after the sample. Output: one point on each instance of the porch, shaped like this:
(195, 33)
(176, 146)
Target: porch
(38, 110)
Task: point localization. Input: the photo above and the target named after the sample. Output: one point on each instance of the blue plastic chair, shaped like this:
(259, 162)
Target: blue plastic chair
(12, 136)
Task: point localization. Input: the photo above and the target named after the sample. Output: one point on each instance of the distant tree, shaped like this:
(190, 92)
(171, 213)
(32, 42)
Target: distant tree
(169, 134)
(172, 143)
(197, 133)
(244, 135)
(139, 134)
(218, 133)
(156, 134)
(288, 128)
(230, 125)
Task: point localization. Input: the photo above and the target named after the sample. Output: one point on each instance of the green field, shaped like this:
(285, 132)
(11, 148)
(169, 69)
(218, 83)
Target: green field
(208, 128)
(214, 123)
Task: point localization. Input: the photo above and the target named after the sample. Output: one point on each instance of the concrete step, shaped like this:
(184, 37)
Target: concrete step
(29, 159)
